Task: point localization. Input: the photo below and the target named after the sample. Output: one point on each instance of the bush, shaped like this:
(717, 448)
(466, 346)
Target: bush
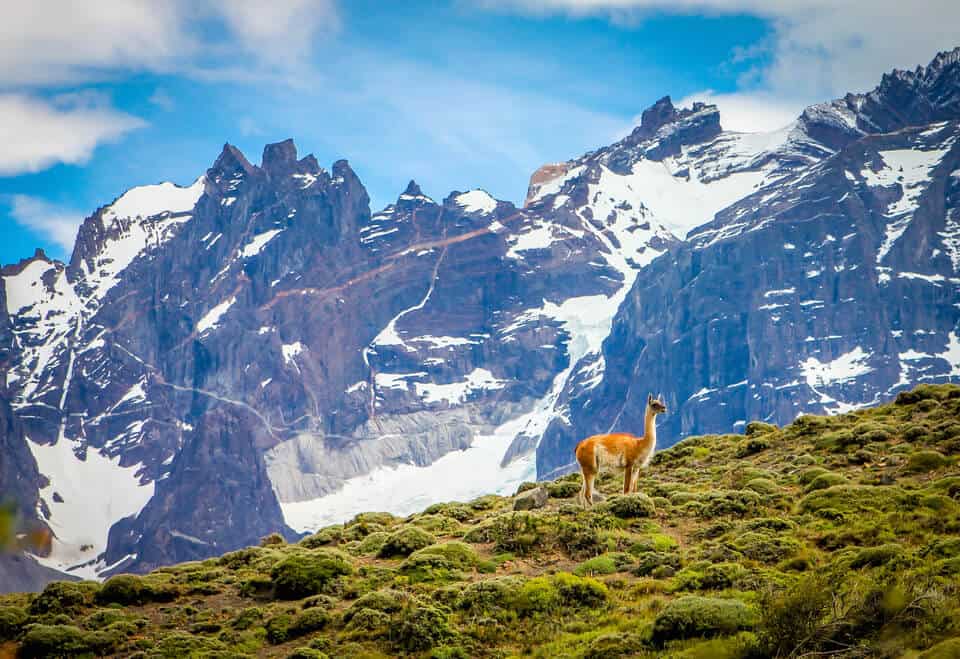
(65, 640)
(307, 653)
(823, 481)
(328, 535)
(491, 598)
(580, 592)
(693, 616)
(370, 621)
(11, 621)
(752, 446)
(273, 539)
(304, 575)
(759, 428)
(386, 601)
(875, 556)
(949, 649)
(629, 506)
(67, 597)
(278, 628)
(129, 589)
(247, 618)
(605, 564)
(714, 577)
(614, 646)
(766, 547)
(651, 561)
(372, 544)
(790, 621)
(923, 461)
(181, 644)
(420, 628)
(405, 541)
(563, 489)
(457, 554)
(762, 486)
(809, 475)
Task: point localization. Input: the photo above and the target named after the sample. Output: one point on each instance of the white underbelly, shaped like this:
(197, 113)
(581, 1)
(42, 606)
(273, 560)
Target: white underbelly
(610, 460)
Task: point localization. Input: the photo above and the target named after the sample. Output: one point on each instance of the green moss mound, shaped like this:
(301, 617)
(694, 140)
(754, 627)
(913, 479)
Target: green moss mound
(405, 541)
(693, 616)
(303, 575)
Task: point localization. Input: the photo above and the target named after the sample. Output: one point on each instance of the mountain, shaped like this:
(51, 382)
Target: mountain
(834, 536)
(826, 287)
(259, 352)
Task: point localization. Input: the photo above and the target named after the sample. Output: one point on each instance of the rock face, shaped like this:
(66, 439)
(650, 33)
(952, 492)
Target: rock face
(217, 358)
(832, 287)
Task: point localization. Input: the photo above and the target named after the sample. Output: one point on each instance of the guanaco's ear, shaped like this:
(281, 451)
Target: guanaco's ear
(649, 398)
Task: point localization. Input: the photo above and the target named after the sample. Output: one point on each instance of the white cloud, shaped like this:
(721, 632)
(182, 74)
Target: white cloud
(818, 50)
(37, 133)
(50, 42)
(748, 112)
(53, 222)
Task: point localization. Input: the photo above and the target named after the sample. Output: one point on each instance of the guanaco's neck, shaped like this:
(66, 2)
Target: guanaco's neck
(650, 426)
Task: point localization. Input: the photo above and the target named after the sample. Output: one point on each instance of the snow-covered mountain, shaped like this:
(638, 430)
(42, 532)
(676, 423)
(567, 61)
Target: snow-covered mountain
(258, 351)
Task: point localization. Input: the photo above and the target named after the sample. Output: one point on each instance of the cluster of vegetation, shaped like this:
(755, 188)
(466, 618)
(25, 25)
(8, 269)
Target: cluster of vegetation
(834, 536)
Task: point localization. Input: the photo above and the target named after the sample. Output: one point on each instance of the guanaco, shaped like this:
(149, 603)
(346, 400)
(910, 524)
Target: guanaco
(619, 451)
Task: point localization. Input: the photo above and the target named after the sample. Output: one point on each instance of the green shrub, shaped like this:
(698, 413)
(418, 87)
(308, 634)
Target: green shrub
(923, 461)
(809, 475)
(328, 535)
(752, 445)
(490, 598)
(605, 564)
(614, 646)
(457, 554)
(132, 589)
(766, 547)
(759, 428)
(719, 503)
(67, 597)
(458, 511)
(307, 653)
(65, 641)
(949, 649)
(713, 577)
(247, 618)
(420, 628)
(181, 644)
(628, 506)
(875, 556)
(563, 489)
(386, 601)
(650, 561)
(278, 628)
(762, 486)
(372, 544)
(823, 481)
(405, 541)
(693, 616)
(303, 575)
(370, 621)
(274, 539)
(12, 619)
(579, 591)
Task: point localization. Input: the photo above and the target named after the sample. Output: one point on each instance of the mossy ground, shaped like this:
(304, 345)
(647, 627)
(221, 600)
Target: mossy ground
(834, 536)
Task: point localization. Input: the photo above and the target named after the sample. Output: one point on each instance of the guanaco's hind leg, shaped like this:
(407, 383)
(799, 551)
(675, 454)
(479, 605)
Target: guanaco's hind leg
(628, 477)
(586, 490)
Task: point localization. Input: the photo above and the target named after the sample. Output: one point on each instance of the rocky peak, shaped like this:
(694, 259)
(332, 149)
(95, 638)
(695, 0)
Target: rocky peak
(279, 158)
(230, 165)
(413, 189)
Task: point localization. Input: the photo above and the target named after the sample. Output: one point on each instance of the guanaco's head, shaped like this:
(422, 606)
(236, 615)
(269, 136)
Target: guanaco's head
(656, 405)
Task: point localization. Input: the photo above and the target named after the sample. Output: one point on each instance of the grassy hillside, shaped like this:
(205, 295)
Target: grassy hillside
(835, 536)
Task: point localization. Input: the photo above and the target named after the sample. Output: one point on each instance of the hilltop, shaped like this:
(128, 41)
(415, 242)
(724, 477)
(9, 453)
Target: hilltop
(835, 535)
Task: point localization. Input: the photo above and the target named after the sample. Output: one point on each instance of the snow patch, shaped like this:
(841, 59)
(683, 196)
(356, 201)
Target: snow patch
(479, 379)
(96, 493)
(258, 242)
(476, 201)
(211, 319)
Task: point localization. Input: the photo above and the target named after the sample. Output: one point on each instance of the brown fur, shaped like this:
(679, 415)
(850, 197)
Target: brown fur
(619, 451)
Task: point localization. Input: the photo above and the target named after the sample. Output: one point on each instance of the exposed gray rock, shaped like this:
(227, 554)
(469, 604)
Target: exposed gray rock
(531, 499)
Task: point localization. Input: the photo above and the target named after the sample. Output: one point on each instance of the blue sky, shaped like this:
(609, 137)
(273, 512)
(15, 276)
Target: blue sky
(459, 94)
